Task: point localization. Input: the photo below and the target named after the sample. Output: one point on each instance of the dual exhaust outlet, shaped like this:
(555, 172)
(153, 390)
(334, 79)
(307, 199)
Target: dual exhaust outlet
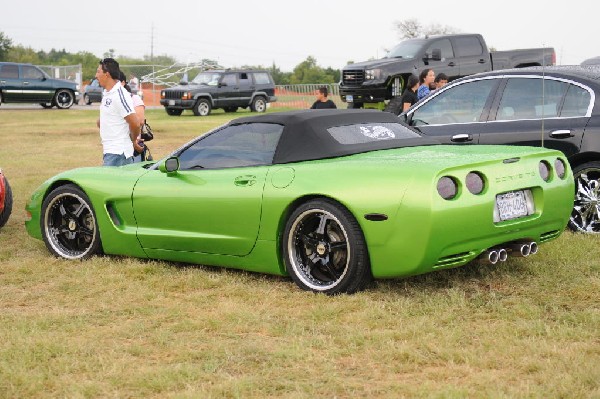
(499, 254)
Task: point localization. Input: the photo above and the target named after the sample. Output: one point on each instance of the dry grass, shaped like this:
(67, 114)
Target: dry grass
(120, 327)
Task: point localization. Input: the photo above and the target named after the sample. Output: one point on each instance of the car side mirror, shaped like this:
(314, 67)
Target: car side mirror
(183, 82)
(170, 166)
(436, 54)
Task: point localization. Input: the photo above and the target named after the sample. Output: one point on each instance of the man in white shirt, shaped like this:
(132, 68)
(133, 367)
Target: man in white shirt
(119, 127)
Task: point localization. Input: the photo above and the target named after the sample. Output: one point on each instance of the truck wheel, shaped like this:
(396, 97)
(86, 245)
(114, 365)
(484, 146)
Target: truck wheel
(202, 107)
(64, 99)
(394, 106)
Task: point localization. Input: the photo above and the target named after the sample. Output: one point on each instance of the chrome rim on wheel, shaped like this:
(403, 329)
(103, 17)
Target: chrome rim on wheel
(318, 249)
(586, 209)
(64, 99)
(70, 226)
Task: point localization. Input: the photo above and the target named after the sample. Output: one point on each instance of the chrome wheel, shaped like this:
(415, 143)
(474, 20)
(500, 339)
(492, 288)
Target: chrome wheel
(69, 225)
(324, 249)
(585, 216)
(64, 99)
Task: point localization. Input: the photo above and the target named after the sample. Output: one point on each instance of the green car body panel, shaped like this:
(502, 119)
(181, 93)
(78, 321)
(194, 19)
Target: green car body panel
(235, 217)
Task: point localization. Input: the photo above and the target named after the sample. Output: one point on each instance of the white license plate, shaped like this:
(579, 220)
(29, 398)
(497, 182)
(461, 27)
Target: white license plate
(512, 205)
(349, 98)
(171, 102)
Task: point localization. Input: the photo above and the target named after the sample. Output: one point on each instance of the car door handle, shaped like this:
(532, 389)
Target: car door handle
(461, 138)
(481, 61)
(561, 134)
(25, 83)
(451, 64)
(245, 180)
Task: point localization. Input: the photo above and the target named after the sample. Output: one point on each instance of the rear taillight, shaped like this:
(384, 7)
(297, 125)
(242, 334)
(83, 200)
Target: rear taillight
(560, 168)
(544, 168)
(447, 187)
(475, 183)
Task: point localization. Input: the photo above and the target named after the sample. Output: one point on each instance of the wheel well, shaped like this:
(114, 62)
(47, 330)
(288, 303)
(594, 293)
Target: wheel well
(581, 158)
(286, 214)
(60, 183)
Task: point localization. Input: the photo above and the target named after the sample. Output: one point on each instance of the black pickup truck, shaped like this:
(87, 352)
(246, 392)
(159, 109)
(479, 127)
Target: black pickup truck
(370, 84)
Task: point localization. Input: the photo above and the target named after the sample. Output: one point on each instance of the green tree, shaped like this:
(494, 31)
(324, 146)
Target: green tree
(5, 46)
(309, 72)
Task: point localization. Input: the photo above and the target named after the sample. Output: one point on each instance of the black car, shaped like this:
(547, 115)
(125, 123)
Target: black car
(92, 93)
(554, 107)
(26, 83)
(226, 89)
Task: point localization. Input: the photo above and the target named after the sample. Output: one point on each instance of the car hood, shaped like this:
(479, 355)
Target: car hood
(381, 63)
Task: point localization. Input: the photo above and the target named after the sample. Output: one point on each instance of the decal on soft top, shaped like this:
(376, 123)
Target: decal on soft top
(370, 132)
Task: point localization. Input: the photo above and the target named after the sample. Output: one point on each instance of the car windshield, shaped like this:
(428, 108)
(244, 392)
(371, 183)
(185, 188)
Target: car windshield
(207, 78)
(406, 49)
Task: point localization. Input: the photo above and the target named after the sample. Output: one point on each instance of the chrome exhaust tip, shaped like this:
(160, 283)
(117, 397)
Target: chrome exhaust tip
(493, 257)
(533, 248)
(502, 255)
(520, 249)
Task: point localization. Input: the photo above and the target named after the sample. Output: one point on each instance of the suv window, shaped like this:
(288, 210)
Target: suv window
(531, 98)
(462, 104)
(577, 102)
(9, 71)
(244, 79)
(233, 146)
(262, 78)
(229, 79)
(31, 72)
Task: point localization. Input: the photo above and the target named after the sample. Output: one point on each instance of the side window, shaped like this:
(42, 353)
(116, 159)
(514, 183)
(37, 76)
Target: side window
(229, 79)
(234, 146)
(444, 45)
(261, 78)
(30, 72)
(577, 102)
(531, 98)
(468, 46)
(9, 71)
(244, 79)
(463, 103)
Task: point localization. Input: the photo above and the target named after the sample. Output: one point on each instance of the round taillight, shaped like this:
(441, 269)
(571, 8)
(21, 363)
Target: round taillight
(559, 167)
(544, 170)
(475, 183)
(447, 188)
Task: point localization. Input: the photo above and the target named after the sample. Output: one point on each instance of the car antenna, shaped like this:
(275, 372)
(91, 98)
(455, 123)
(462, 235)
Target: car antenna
(543, 88)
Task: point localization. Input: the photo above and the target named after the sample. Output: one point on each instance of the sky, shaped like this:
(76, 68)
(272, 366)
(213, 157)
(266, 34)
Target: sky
(267, 32)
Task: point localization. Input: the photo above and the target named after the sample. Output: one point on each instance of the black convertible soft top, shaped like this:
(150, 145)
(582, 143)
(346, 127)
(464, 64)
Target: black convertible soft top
(307, 134)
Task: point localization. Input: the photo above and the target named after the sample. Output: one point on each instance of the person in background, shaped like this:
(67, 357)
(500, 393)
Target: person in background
(322, 101)
(133, 84)
(440, 80)
(426, 78)
(409, 97)
(140, 112)
(118, 123)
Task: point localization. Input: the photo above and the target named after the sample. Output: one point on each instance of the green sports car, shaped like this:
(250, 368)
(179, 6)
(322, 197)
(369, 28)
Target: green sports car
(332, 198)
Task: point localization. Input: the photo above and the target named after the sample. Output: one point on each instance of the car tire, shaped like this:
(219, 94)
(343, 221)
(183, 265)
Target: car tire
(68, 224)
(63, 99)
(174, 112)
(47, 105)
(259, 104)
(86, 100)
(585, 217)
(8, 203)
(324, 249)
(202, 107)
(394, 106)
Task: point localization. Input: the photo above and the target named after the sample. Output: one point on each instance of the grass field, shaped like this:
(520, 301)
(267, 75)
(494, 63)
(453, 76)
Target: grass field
(121, 327)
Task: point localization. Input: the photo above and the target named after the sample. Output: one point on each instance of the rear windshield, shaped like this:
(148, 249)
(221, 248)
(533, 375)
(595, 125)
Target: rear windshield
(370, 132)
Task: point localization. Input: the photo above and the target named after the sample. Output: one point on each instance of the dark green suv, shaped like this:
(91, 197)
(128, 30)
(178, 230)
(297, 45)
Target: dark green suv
(226, 89)
(26, 83)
